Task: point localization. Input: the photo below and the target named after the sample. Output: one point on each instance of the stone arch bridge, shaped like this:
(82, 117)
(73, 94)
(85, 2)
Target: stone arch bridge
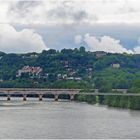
(24, 92)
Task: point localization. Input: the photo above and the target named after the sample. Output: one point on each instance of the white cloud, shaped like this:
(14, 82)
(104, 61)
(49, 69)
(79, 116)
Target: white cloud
(105, 43)
(26, 40)
(137, 50)
(69, 11)
(78, 39)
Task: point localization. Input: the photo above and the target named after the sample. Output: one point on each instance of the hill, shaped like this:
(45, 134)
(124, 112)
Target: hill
(69, 68)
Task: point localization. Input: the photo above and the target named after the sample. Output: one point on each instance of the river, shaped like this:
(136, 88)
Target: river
(49, 119)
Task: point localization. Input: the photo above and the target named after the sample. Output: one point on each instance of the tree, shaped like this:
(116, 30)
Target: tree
(82, 49)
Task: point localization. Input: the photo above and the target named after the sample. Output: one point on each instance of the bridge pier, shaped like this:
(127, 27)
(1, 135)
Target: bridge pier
(40, 97)
(71, 97)
(24, 97)
(8, 97)
(96, 91)
(125, 91)
(56, 97)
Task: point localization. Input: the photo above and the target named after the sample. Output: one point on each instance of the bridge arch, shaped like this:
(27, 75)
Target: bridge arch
(49, 95)
(64, 96)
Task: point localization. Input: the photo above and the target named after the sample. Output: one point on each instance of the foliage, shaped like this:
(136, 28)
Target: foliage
(86, 98)
(131, 102)
(94, 72)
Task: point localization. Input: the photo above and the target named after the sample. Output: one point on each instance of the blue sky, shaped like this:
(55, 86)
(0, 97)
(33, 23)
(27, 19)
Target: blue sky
(99, 25)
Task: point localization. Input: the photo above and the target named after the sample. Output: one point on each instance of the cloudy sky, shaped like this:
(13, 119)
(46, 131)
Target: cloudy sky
(99, 25)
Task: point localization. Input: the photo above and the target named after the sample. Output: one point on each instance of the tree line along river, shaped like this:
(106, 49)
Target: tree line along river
(128, 102)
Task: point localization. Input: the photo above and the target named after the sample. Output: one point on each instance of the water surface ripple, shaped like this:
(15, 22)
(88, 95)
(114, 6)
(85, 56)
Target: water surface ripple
(49, 119)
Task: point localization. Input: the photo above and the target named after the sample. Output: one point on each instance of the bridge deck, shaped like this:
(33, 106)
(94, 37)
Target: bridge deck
(44, 91)
(36, 89)
(112, 94)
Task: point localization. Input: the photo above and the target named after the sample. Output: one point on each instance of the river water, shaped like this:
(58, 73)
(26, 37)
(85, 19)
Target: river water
(49, 119)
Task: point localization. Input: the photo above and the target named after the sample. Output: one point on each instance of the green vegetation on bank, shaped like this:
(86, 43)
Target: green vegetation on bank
(123, 102)
(128, 102)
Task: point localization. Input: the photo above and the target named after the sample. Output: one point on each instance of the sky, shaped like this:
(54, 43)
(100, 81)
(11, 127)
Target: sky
(99, 25)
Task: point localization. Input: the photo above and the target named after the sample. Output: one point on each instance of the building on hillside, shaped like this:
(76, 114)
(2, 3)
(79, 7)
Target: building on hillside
(117, 65)
(70, 78)
(74, 78)
(78, 78)
(30, 56)
(33, 55)
(34, 71)
(100, 54)
(64, 76)
(89, 72)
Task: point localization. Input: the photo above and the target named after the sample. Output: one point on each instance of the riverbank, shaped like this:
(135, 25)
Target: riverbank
(128, 102)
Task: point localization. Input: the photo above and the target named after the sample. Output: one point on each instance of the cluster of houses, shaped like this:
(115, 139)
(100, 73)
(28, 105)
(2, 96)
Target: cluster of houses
(115, 65)
(100, 54)
(66, 77)
(31, 55)
(38, 72)
(32, 71)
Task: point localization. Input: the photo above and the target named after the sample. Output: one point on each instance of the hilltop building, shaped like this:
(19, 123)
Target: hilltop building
(100, 54)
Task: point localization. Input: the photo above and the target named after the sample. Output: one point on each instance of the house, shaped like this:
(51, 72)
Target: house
(89, 72)
(100, 54)
(74, 78)
(70, 78)
(33, 55)
(117, 65)
(59, 76)
(64, 76)
(78, 78)
(30, 56)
